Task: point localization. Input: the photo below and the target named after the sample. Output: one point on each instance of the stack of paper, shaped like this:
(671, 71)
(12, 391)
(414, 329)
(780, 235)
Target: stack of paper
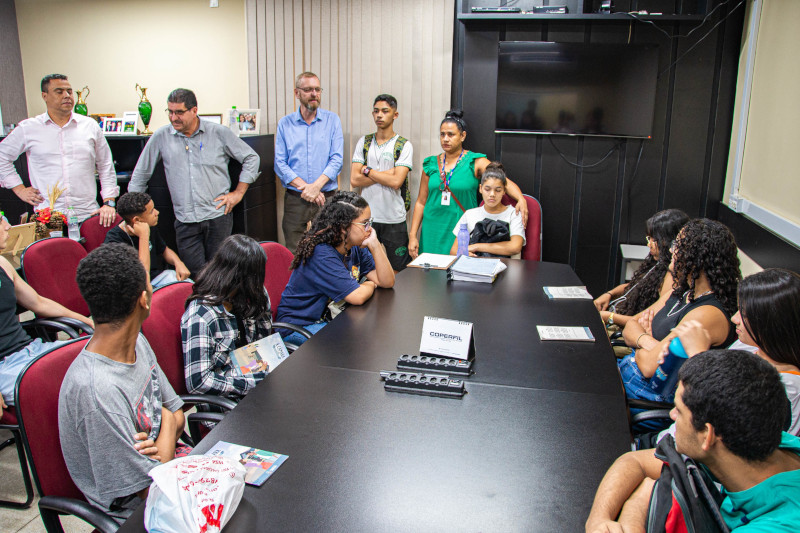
(435, 261)
(559, 293)
(475, 269)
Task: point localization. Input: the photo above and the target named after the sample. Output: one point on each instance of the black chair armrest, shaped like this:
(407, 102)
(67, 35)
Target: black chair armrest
(195, 422)
(636, 403)
(226, 404)
(51, 506)
(76, 324)
(297, 329)
(655, 414)
(37, 326)
(618, 342)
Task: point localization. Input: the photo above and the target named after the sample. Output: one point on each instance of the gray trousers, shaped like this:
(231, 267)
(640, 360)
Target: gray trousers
(199, 241)
(296, 215)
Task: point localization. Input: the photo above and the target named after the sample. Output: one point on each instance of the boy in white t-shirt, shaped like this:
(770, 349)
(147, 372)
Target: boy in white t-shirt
(380, 166)
(492, 188)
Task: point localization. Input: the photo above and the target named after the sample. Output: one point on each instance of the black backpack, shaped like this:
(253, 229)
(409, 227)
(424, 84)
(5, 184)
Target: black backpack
(398, 149)
(684, 494)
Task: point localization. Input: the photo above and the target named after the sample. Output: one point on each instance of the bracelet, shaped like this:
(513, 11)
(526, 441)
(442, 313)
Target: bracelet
(639, 346)
(611, 319)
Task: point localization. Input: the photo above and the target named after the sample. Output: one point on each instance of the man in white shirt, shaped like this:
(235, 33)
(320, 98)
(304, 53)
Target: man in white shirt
(380, 166)
(64, 149)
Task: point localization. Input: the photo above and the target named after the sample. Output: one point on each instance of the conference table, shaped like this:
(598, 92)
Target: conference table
(523, 450)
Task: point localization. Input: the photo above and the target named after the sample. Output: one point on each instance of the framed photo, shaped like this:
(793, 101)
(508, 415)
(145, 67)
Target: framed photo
(130, 121)
(112, 126)
(99, 117)
(248, 121)
(216, 118)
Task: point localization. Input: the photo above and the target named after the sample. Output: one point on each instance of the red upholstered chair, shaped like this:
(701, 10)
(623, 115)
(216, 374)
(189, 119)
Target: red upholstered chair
(162, 329)
(279, 259)
(49, 266)
(37, 410)
(94, 233)
(47, 328)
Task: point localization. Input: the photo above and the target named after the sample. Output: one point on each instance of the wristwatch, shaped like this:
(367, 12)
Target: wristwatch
(110, 203)
(366, 170)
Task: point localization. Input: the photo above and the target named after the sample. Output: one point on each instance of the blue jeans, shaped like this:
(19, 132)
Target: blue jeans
(13, 365)
(638, 387)
(297, 339)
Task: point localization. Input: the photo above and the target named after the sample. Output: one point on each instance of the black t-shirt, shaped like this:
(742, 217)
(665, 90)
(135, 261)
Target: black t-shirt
(12, 337)
(157, 246)
(677, 307)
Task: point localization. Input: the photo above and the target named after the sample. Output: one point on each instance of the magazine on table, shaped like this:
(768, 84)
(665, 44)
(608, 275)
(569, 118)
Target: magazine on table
(260, 464)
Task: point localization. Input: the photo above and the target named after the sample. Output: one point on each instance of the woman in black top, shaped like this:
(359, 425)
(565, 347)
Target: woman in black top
(705, 268)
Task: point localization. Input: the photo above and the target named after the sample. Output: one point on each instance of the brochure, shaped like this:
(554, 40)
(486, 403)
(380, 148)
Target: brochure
(260, 464)
(570, 293)
(263, 355)
(562, 333)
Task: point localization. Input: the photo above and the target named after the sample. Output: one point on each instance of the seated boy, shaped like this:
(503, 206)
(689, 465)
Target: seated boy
(138, 229)
(118, 416)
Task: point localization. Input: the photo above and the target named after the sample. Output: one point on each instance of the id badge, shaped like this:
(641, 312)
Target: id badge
(445, 197)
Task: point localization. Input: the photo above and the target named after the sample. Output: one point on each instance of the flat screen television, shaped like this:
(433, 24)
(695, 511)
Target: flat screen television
(576, 88)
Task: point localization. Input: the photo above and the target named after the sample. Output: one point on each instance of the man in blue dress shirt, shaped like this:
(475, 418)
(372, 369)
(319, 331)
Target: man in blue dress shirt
(308, 157)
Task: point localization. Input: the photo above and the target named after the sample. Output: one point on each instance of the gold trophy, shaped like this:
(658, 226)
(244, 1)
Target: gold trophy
(145, 108)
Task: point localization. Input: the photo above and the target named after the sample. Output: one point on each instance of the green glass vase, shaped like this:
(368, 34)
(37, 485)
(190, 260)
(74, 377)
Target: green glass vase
(145, 109)
(80, 107)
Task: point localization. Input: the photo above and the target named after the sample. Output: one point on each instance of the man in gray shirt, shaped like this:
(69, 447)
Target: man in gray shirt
(196, 154)
(118, 416)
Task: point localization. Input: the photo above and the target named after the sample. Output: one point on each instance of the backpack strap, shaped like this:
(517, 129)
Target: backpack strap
(405, 193)
(367, 143)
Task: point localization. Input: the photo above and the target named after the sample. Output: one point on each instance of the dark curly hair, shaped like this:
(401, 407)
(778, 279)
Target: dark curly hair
(235, 275)
(645, 286)
(132, 204)
(741, 395)
(330, 225)
(111, 280)
(708, 246)
(769, 302)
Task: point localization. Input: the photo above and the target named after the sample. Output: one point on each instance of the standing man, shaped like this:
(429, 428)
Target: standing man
(381, 163)
(308, 157)
(63, 148)
(196, 154)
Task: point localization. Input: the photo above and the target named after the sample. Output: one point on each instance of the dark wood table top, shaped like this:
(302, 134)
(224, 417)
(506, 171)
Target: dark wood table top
(524, 450)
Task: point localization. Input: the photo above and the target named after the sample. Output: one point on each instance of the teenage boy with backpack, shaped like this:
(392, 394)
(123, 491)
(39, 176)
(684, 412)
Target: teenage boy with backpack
(380, 166)
(730, 409)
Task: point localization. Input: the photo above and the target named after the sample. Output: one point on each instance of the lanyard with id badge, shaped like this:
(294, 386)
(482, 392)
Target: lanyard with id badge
(445, 177)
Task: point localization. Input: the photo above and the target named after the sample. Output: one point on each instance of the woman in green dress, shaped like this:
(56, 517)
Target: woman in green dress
(448, 187)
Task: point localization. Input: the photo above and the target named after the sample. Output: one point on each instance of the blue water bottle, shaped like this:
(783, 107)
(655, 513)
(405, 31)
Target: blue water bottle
(665, 379)
(463, 240)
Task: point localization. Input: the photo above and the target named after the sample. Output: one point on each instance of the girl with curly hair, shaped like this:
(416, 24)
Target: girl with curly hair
(705, 270)
(338, 250)
(652, 280)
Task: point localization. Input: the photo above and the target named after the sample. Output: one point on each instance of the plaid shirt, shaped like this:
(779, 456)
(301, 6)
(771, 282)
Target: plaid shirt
(209, 334)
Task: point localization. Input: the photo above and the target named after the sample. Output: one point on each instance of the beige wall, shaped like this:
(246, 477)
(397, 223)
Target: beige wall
(769, 175)
(111, 45)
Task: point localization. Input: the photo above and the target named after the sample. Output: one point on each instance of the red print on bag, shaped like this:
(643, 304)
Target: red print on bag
(211, 520)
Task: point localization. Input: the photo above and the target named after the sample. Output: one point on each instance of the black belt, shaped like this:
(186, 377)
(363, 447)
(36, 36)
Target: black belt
(327, 194)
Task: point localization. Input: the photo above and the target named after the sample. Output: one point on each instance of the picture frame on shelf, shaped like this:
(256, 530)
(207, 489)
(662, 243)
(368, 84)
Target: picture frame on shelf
(99, 117)
(249, 121)
(130, 120)
(112, 126)
(216, 118)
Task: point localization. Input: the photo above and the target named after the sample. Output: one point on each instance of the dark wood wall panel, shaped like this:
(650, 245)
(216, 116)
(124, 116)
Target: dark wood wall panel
(588, 212)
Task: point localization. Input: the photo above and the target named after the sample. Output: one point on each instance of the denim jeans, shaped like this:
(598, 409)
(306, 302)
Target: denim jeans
(297, 339)
(13, 364)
